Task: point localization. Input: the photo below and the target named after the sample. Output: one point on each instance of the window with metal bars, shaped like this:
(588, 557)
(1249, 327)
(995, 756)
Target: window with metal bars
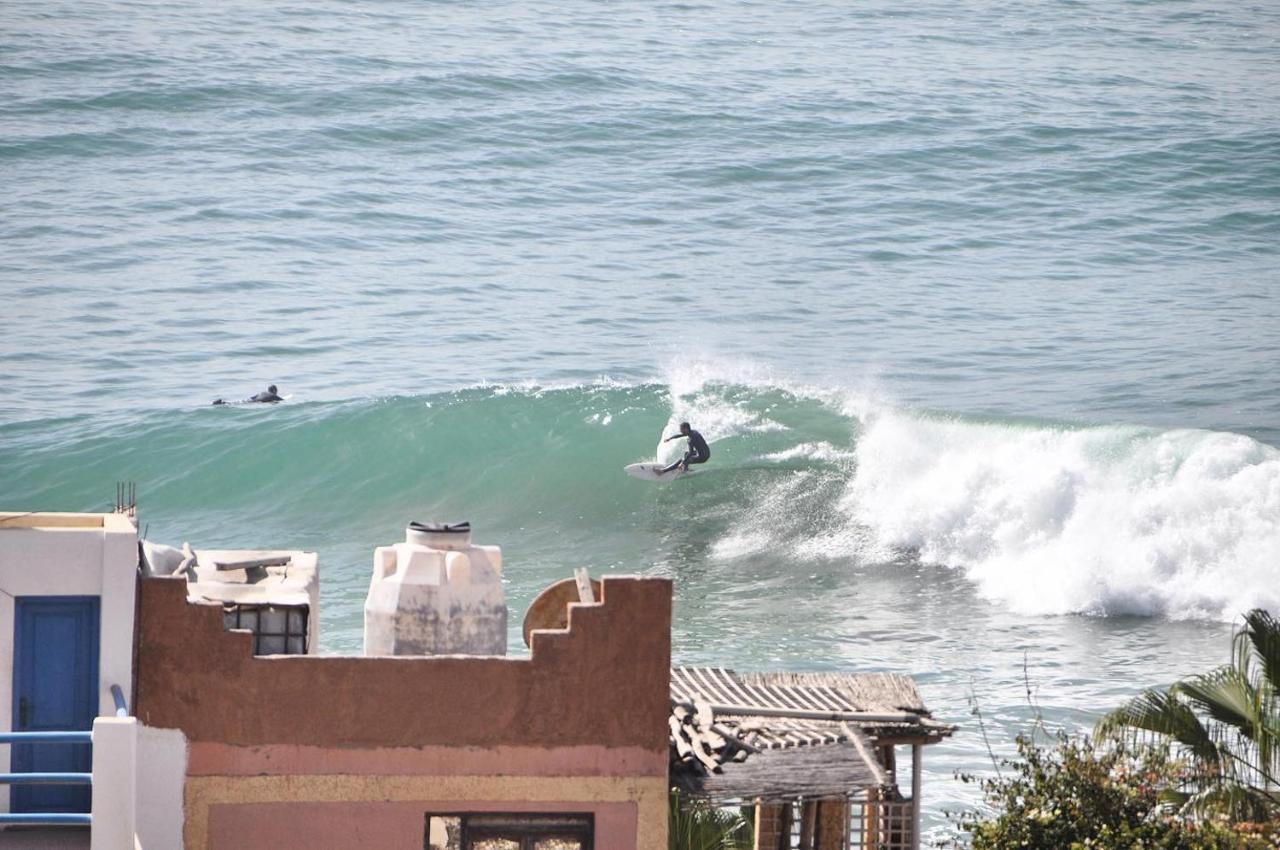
(514, 831)
(277, 629)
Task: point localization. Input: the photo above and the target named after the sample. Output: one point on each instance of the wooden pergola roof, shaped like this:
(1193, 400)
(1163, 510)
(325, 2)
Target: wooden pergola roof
(779, 736)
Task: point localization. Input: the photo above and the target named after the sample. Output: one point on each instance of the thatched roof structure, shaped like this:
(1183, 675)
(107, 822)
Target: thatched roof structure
(777, 736)
(869, 693)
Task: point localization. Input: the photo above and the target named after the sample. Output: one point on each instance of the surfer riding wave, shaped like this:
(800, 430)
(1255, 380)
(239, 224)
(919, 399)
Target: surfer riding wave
(698, 452)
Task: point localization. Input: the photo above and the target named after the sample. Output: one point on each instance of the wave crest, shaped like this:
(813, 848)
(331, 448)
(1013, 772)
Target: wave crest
(1108, 520)
(1042, 518)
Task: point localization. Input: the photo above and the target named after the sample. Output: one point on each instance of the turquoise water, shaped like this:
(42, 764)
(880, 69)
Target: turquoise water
(977, 304)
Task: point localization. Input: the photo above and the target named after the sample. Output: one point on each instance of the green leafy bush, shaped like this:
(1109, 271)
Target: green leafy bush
(1079, 795)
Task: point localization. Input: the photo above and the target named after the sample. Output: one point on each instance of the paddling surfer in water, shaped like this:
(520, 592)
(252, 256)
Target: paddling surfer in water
(698, 452)
(271, 396)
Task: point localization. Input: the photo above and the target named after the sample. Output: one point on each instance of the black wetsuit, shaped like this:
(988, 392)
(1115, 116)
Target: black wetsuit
(264, 397)
(699, 451)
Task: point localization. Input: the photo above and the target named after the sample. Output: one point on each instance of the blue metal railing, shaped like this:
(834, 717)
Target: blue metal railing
(53, 818)
(46, 778)
(47, 818)
(46, 737)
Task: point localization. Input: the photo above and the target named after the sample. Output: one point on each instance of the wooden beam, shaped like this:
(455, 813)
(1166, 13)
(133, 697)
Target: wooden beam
(253, 563)
(583, 578)
(811, 714)
(916, 752)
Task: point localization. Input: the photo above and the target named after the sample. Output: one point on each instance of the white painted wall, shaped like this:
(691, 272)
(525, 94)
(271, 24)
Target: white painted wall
(70, 555)
(138, 777)
(115, 787)
(162, 776)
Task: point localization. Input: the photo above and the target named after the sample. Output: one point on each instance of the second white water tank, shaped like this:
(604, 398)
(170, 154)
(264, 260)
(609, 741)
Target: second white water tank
(436, 594)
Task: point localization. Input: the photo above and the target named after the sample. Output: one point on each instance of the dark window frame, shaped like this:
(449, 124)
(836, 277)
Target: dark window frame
(524, 827)
(296, 624)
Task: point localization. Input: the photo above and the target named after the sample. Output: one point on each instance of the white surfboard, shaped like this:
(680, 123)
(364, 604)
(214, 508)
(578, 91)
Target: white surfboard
(650, 472)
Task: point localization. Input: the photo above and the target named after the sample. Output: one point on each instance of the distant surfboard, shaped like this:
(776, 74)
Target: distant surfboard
(650, 472)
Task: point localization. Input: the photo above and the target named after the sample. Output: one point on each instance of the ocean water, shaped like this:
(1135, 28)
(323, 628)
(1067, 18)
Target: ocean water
(977, 304)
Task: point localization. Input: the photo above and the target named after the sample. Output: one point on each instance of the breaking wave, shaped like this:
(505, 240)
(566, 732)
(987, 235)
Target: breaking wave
(1045, 518)
(1105, 520)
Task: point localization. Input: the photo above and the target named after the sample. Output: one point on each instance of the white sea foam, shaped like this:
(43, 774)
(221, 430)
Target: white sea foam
(768, 522)
(1043, 519)
(1102, 520)
(697, 397)
(823, 452)
(738, 544)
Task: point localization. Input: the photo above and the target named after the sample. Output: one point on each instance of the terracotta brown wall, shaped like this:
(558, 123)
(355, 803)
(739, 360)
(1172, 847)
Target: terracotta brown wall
(330, 752)
(602, 682)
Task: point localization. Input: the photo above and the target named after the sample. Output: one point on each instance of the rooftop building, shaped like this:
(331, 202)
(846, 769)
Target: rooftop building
(227, 730)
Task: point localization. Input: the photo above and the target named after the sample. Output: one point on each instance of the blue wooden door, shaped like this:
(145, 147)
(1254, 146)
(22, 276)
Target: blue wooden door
(55, 688)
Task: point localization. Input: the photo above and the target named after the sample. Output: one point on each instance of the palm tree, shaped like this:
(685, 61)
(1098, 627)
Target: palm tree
(1226, 721)
(697, 825)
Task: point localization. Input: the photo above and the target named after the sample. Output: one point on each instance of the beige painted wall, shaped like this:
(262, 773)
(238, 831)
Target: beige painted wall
(218, 807)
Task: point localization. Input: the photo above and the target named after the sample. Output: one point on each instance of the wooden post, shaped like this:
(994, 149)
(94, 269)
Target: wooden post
(808, 822)
(833, 825)
(875, 821)
(773, 826)
(916, 752)
(890, 761)
(871, 819)
(766, 827)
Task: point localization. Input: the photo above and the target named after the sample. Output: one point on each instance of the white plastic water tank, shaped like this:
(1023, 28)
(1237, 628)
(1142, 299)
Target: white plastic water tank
(436, 594)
